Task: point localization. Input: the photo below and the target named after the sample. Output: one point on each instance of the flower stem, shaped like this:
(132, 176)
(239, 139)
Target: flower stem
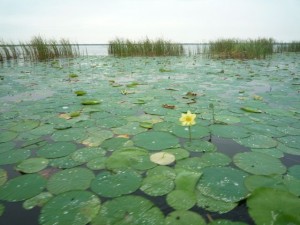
(190, 134)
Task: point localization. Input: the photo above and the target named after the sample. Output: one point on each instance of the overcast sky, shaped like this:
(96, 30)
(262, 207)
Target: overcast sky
(185, 21)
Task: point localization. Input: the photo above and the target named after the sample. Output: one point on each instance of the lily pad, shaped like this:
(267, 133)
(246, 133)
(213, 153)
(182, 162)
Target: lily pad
(22, 187)
(183, 217)
(32, 165)
(113, 144)
(197, 131)
(294, 171)
(290, 141)
(258, 163)
(4, 147)
(162, 158)
(272, 206)
(120, 183)
(257, 141)
(223, 183)
(25, 125)
(131, 210)
(97, 163)
(8, 136)
(3, 176)
(254, 182)
(200, 146)
(155, 140)
(14, 156)
(86, 154)
(214, 205)
(157, 184)
(90, 102)
(56, 150)
(39, 200)
(75, 207)
(179, 153)
(2, 208)
(130, 158)
(229, 131)
(181, 199)
(70, 179)
(65, 162)
(227, 119)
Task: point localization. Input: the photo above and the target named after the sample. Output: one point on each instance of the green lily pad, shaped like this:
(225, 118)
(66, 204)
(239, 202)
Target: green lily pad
(290, 141)
(90, 102)
(258, 163)
(294, 171)
(183, 217)
(251, 109)
(129, 158)
(272, 206)
(274, 152)
(254, 182)
(214, 205)
(120, 183)
(157, 184)
(227, 119)
(32, 165)
(197, 131)
(223, 183)
(4, 147)
(96, 138)
(97, 163)
(179, 153)
(72, 134)
(284, 148)
(200, 146)
(264, 129)
(131, 128)
(86, 154)
(112, 122)
(131, 210)
(186, 180)
(257, 141)
(155, 140)
(56, 150)
(65, 162)
(39, 200)
(75, 207)
(70, 179)
(166, 171)
(25, 125)
(113, 144)
(80, 93)
(181, 199)
(226, 222)
(14, 156)
(229, 131)
(22, 187)
(8, 136)
(3, 176)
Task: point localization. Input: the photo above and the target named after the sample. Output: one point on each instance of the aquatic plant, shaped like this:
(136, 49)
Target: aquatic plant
(159, 47)
(240, 49)
(188, 119)
(293, 46)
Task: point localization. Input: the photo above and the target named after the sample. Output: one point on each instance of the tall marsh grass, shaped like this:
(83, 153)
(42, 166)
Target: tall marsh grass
(293, 46)
(39, 49)
(159, 47)
(240, 49)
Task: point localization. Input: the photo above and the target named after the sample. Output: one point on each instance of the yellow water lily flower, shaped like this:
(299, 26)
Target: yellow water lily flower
(187, 119)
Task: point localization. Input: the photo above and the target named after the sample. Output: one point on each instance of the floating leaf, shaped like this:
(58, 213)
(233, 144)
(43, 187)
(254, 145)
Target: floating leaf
(257, 141)
(39, 200)
(155, 140)
(200, 146)
(197, 131)
(229, 131)
(25, 125)
(65, 162)
(162, 158)
(272, 206)
(120, 183)
(181, 200)
(131, 209)
(14, 156)
(4, 147)
(251, 110)
(2, 208)
(70, 179)
(258, 163)
(214, 205)
(254, 182)
(97, 163)
(223, 183)
(294, 171)
(57, 149)
(90, 102)
(75, 207)
(95, 139)
(32, 165)
(182, 217)
(3, 176)
(157, 185)
(227, 119)
(179, 153)
(8, 136)
(225, 222)
(290, 141)
(86, 154)
(113, 144)
(80, 93)
(130, 158)
(22, 187)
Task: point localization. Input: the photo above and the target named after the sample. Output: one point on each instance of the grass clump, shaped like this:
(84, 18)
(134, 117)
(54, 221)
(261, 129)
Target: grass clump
(240, 49)
(159, 47)
(38, 49)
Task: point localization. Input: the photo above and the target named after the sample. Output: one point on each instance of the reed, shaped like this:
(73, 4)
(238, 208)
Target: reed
(240, 49)
(125, 48)
(293, 46)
